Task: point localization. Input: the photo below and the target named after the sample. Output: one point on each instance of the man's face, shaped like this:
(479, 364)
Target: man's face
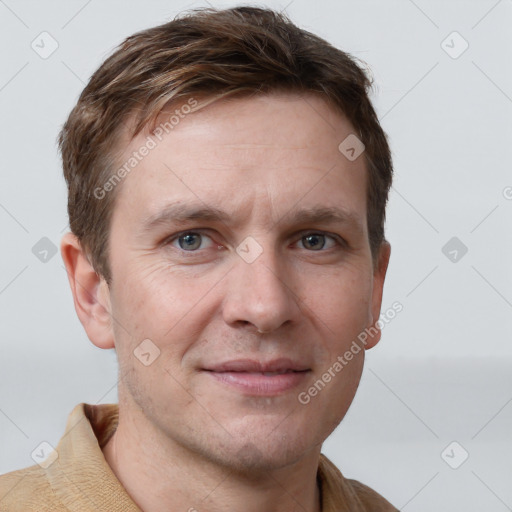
(200, 289)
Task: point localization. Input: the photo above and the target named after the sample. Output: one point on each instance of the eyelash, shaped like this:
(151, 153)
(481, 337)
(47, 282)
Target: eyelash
(340, 242)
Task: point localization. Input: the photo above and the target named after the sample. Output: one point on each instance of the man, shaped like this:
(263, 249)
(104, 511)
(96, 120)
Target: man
(227, 180)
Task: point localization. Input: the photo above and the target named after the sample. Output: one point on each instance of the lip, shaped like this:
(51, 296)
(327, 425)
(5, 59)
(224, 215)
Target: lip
(251, 365)
(248, 376)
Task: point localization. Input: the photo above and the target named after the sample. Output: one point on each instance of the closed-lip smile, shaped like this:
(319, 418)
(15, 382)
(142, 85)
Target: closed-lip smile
(260, 378)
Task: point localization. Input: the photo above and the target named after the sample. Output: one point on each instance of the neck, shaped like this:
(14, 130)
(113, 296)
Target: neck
(144, 459)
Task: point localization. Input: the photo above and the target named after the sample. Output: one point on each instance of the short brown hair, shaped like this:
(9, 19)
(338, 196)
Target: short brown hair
(210, 53)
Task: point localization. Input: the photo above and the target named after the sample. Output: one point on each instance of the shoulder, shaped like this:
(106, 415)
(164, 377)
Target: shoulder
(27, 489)
(339, 492)
(371, 499)
(47, 487)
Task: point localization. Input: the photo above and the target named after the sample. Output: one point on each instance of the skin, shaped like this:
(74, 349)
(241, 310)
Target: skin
(193, 440)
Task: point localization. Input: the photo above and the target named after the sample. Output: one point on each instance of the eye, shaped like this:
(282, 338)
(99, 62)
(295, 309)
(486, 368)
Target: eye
(193, 241)
(317, 241)
(190, 240)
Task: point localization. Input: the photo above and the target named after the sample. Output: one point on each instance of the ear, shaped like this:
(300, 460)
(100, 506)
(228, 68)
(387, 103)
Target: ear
(90, 293)
(379, 274)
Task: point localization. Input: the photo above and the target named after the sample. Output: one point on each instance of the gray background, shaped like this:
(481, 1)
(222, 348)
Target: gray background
(442, 371)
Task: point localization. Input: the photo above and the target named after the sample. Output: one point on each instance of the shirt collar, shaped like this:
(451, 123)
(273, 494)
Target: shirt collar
(81, 465)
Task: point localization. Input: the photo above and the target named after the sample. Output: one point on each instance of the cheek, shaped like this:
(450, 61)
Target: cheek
(342, 301)
(153, 300)
(150, 292)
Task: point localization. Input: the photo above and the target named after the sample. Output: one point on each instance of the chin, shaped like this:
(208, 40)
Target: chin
(257, 461)
(259, 453)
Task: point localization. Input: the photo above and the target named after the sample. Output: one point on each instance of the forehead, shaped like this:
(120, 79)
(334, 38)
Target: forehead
(280, 146)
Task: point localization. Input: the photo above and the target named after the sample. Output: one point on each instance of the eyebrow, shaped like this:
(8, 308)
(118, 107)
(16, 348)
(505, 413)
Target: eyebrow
(183, 213)
(324, 215)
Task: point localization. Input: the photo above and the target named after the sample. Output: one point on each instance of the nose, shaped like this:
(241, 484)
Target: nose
(261, 294)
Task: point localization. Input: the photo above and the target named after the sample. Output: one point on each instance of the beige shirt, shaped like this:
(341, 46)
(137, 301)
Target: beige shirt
(80, 479)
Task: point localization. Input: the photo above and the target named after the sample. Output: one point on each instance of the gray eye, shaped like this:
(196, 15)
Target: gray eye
(315, 241)
(190, 241)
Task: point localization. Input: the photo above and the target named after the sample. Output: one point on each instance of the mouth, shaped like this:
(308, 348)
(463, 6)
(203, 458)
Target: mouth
(257, 378)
